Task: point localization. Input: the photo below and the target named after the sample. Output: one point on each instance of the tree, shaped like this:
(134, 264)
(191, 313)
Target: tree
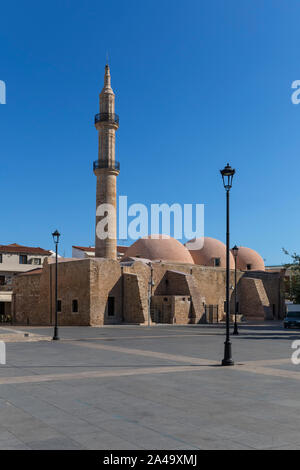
(293, 289)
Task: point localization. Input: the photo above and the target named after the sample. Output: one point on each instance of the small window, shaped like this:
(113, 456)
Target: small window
(249, 266)
(217, 262)
(1, 258)
(36, 261)
(75, 306)
(111, 306)
(2, 280)
(23, 259)
(165, 299)
(59, 306)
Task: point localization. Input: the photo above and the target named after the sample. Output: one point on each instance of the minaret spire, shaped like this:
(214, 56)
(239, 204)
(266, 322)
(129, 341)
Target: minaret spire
(106, 168)
(107, 78)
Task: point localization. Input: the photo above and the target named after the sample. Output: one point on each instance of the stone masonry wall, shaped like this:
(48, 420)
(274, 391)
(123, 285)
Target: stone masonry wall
(26, 296)
(105, 281)
(143, 273)
(273, 285)
(182, 309)
(254, 303)
(92, 281)
(133, 305)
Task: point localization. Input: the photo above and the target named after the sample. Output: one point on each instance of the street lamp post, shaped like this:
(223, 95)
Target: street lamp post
(56, 236)
(227, 176)
(235, 253)
(150, 285)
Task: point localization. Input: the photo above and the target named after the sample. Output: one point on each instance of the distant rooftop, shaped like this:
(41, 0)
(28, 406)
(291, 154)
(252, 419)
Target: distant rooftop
(91, 249)
(16, 248)
(33, 271)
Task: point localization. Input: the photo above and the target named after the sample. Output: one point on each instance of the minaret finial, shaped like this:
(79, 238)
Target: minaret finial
(107, 82)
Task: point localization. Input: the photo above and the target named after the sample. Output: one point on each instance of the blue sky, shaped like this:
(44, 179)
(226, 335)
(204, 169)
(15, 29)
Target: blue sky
(198, 83)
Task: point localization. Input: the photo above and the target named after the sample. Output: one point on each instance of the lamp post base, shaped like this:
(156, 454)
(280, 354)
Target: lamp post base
(235, 329)
(55, 336)
(227, 361)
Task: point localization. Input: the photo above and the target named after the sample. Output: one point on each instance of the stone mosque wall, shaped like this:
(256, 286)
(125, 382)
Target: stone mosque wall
(106, 292)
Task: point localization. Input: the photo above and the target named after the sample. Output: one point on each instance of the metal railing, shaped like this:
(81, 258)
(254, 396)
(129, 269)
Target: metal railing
(107, 117)
(105, 164)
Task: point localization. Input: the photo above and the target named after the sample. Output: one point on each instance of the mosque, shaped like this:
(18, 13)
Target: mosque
(155, 280)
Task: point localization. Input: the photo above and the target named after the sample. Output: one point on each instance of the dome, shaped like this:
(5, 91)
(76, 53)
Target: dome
(160, 247)
(249, 260)
(208, 251)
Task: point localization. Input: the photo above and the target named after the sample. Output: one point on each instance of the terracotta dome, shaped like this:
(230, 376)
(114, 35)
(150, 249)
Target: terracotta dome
(160, 247)
(249, 260)
(208, 251)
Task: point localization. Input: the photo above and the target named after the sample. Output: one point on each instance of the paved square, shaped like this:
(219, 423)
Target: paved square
(159, 387)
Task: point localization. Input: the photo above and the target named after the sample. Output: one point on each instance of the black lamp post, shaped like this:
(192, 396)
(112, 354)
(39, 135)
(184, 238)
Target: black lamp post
(56, 236)
(227, 176)
(150, 285)
(235, 251)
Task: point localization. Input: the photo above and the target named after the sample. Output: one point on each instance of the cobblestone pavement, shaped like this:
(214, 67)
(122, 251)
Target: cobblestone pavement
(158, 387)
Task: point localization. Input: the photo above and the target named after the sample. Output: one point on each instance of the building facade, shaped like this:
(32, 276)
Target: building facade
(156, 279)
(15, 259)
(101, 291)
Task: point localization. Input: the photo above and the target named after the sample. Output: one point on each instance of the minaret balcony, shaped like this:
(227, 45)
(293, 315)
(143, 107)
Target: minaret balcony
(107, 117)
(99, 164)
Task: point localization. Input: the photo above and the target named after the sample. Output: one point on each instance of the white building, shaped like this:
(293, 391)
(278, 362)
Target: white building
(83, 252)
(15, 259)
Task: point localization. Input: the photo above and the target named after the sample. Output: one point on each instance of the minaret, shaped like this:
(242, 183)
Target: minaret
(106, 169)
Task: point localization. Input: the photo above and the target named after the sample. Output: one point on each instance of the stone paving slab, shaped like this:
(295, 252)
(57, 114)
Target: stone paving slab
(15, 335)
(92, 390)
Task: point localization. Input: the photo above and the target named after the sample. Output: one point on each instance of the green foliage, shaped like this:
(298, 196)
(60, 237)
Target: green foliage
(293, 285)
